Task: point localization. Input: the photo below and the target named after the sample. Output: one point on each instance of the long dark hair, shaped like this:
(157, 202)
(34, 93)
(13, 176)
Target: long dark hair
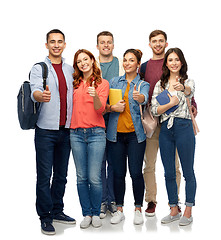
(166, 73)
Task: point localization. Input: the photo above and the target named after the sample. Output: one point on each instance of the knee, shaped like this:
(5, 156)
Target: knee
(170, 176)
(81, 177)
(137, 177)
(189, 176)
(94, 179)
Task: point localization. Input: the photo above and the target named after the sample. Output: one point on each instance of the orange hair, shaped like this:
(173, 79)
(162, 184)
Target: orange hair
(78, 75)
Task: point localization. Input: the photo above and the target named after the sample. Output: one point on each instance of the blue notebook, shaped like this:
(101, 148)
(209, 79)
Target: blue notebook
(163, 99)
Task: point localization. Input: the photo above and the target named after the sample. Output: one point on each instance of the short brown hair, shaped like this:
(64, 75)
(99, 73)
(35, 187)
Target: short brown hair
(105, 33)
(157, 32)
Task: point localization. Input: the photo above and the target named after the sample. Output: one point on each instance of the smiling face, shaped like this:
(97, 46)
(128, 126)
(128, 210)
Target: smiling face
(173, 63)
(105, 46)
(130, 63)
(55, 45)
(158, 45)
(85, 63)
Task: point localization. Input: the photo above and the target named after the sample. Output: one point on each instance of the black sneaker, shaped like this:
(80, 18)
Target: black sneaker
(47, 228)
(112, 208)
(103, 210)
(62, 218)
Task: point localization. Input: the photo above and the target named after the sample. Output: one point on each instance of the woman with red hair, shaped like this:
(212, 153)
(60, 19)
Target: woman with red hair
(88, 138)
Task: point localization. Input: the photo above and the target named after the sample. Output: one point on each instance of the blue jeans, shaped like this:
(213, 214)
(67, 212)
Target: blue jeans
(128, 146)
(52, 154)
(180, 136)
(88, 145)
(107, 177)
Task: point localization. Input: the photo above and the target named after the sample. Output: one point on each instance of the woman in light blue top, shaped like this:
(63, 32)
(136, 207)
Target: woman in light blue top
(126, 135)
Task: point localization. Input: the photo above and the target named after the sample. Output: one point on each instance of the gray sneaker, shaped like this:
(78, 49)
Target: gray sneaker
(103, 210)
(96, 222)
(169, 218)
(86, 222)
(112, 208)
(184, 221)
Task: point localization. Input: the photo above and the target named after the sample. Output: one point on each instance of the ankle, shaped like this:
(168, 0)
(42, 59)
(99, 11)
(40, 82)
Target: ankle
(188, 212)
(120, 209)
(138, 208)
(174, 211)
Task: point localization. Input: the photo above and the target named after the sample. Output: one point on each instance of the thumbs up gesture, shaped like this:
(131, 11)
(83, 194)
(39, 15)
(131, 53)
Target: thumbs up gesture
(178, 86)
(136, 94)
(46, 95)
(91, 90)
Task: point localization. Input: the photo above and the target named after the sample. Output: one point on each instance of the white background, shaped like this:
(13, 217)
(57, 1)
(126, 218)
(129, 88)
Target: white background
(193, 26)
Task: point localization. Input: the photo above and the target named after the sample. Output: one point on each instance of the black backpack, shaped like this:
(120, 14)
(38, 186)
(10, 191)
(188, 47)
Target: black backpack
(28, 111)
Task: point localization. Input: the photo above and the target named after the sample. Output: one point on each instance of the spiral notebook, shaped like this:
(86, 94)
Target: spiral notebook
(163, 99)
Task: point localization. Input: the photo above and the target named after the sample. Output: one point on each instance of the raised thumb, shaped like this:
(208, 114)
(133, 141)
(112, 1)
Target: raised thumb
(135, 87)
(93, 84)
(47, 88)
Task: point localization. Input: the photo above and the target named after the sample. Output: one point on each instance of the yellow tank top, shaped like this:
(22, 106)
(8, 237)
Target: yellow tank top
(125, 123)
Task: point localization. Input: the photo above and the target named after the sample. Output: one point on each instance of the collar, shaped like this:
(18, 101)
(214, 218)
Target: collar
(134, 81)
(48, 60)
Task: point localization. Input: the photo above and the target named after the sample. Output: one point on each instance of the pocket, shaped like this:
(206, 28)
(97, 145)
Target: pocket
(99, 131)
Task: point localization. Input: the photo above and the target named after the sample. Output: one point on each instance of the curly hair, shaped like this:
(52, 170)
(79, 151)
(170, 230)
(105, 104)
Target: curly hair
(166, 72)
(78, 75)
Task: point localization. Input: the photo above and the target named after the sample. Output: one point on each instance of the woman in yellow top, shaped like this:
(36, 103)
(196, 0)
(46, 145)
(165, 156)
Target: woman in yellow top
(126, 135)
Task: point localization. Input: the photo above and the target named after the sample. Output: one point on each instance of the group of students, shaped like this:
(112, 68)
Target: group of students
(76, 115)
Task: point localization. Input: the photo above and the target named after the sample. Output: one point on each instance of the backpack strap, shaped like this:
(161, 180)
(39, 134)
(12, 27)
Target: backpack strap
(143, 68)
(44, 72)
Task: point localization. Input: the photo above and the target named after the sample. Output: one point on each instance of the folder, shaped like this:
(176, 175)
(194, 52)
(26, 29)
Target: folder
(163, 99)
(115, 95)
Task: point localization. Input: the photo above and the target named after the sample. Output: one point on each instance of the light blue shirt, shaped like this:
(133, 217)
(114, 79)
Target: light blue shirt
(121, 83)
(49, 117)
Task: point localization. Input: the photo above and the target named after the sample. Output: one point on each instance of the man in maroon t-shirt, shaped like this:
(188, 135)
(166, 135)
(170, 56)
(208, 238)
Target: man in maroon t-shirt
(152, 71)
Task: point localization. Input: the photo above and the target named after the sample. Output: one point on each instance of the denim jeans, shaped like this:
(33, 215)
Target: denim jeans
(88, 146)
(180, 136)
(107, 177)
(52, 154)
(128, 146)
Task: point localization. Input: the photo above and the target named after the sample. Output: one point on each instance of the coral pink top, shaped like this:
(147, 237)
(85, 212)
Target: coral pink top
(83, 114)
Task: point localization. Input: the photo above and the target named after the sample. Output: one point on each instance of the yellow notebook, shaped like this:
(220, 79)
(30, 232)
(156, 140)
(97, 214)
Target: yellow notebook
(115, 95)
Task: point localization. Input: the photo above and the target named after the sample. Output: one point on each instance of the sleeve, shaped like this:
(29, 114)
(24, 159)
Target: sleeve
(36, 81)
(193, 102)
(190, 83)
(154, 102)
(145, 86)
(103, 93)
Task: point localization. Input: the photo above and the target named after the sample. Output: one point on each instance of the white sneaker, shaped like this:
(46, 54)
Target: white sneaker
(138, 217)
(86, 222)
(117, 217)
(96, 222)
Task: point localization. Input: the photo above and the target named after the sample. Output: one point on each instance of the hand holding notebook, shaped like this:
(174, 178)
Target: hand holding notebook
(163, 99)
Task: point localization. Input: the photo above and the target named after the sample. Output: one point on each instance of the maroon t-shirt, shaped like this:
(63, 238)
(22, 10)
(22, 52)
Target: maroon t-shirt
(153, 73)
(63, 93)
